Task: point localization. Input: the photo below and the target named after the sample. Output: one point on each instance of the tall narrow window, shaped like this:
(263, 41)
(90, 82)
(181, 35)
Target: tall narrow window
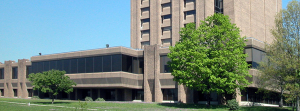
(1, 73)
(15, 73)
(28, 71)
(219, 6)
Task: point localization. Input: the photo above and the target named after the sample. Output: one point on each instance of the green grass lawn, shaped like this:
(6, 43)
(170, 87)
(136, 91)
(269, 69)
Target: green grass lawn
(21, 105)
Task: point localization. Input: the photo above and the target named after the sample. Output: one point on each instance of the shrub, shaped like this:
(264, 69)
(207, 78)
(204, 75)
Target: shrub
(233, 104)
(35, 97)
(99, 99)
(88, 99)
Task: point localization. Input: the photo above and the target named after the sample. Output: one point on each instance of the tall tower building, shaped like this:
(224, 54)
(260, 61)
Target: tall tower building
(159, 21)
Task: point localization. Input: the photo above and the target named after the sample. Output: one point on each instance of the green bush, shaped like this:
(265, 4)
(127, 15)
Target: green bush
(35, 97)
(233, 104)
(99, 99)
(88, 99)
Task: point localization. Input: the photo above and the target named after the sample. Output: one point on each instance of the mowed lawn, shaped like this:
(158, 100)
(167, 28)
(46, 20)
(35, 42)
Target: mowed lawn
(15, 104)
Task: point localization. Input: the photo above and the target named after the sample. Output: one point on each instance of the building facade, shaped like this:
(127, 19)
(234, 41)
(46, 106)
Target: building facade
(141, 73)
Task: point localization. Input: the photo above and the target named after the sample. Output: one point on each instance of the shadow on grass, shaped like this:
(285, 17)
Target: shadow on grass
(192, 106)
(51, 103)
(263, 108)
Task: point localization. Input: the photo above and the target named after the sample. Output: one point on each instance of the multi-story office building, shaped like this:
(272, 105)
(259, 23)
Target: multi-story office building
(141, 73)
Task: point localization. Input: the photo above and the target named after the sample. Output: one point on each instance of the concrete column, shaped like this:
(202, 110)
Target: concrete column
(152, 90)
(8, 89)
(155, 18)
(135, 24)
(176, 14)
(204, 8)
(185, 95)
(22, 88)
(128, 94)
(238, 96)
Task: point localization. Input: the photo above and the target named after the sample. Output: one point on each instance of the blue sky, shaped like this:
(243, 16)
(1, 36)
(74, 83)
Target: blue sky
(28, 27)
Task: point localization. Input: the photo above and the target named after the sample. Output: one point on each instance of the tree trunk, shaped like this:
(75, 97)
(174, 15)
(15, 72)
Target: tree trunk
(281, 98)
(297, 105)
(208, 99)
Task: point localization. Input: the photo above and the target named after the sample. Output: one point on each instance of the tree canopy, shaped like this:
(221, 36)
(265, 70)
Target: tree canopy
(210, 58)
(52, 82)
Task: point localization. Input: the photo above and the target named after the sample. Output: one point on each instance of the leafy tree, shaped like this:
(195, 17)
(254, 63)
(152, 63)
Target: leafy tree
(52, 82)
(283, 59)
(210, 58)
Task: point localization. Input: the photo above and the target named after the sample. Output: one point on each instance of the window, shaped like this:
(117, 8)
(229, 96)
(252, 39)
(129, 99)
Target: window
(165, 29)
(138, 94)
(1, 73)
(145, 43)
(74, 66)
(40, 67)
(164, 68)
(81, 65)
(219, 6)
(15, 92)
(166, 5)
(145, 21)
(98, 64)
(187, 13)
(166, 17)
(15, 73)
(30, 92)
(169, 94)
(53, 65)
(126, 63)
(2, 92)
(144, 32)
(254, 56)
(107, 63)
(59, 65)
(188, 1)
(89, 64)
(66, 65)
(28, 71)
(117, 62)
(143, 10)
(46, 66)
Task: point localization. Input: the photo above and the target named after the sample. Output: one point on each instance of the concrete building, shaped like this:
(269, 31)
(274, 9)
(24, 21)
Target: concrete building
(140, 73)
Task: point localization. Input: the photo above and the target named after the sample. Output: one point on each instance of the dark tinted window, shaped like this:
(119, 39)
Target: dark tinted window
(15, 73)
(141, 65)
(74, 66)
(40, 67)
(28, 71)
(107, 63)
(89, 64)
(218, 6)
(66, 65)
(135, 65)
(98, 64)
(34, 67)
(1, 73)
(59, 65)
(81, 65)
(117, 62)
(46, 66)
(126, 63)
(164, 68)
(53, 65)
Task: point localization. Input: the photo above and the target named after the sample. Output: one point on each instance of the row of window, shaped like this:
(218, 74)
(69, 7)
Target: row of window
(14, 73)
(108, 63)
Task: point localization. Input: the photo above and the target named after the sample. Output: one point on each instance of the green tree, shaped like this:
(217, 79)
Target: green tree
(283, 56)
(210, 58)
(276, 65)
(52, 82)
